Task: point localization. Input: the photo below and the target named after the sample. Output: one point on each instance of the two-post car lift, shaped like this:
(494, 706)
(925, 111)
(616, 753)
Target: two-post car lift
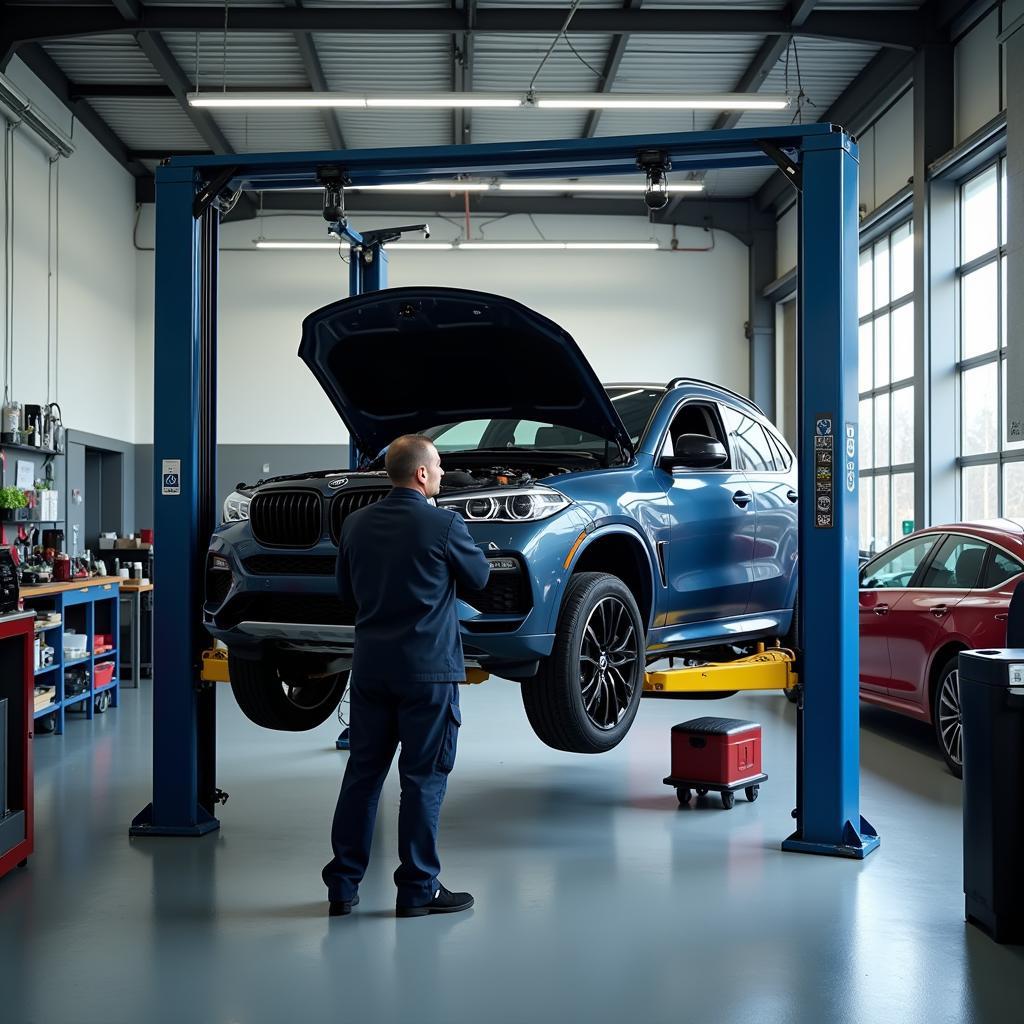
(820, 160)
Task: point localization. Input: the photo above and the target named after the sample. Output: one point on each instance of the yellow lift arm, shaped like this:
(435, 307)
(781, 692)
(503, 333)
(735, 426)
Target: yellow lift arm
(771, 669)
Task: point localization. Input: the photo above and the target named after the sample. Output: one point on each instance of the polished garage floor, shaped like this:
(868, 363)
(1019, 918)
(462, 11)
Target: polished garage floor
(597, 899)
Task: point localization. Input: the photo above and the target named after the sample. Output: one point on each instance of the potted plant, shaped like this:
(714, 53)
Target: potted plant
(13, 504)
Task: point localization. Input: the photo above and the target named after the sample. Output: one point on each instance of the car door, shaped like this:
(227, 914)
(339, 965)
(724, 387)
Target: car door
(922, 618)
(883, 582)
(981, 617)
(773, 486)
(713, 527)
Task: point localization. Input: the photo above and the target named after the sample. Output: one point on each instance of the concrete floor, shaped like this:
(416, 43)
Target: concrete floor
(597, 899)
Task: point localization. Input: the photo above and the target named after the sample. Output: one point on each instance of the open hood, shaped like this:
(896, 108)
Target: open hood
(401, 360)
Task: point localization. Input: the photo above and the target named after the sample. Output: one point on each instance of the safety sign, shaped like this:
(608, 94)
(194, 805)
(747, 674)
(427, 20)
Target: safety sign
(170, 477)
(824, 511)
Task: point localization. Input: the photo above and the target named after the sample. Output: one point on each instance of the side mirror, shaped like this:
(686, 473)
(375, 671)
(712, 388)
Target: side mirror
(696, 451)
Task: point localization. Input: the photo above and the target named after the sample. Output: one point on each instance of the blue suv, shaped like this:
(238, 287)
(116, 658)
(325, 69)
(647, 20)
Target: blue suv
(624, 523)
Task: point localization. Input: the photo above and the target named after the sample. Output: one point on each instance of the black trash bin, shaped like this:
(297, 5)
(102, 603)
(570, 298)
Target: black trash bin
(992, 713)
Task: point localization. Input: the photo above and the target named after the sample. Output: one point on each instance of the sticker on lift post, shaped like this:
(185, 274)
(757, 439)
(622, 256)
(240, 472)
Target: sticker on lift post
(170, 477)
(824, 447)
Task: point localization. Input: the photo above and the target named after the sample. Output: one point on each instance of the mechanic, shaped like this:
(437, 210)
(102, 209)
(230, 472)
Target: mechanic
(399, 561)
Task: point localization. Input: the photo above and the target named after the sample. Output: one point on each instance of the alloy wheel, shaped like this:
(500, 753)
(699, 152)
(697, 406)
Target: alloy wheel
(950, 725)
(608, 662)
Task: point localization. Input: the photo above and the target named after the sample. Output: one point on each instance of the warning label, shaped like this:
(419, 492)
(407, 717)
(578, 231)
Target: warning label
(824, 495)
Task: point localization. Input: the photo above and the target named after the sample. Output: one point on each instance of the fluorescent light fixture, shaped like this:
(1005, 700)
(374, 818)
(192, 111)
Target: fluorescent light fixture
(659, 101)
(262, 243)
(425, 186)
(468, 100)
(638, 187)
(274, 100)
(558, 246)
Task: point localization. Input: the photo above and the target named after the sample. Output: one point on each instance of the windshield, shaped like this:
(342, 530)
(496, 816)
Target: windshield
(634, 406)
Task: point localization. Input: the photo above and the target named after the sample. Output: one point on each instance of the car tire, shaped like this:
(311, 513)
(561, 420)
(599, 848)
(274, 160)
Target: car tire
(599, 627)
(946, 716)
(268, 698)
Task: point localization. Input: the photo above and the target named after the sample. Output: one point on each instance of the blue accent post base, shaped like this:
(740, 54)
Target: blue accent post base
(342, 742)
(142, 825)
(855, 844)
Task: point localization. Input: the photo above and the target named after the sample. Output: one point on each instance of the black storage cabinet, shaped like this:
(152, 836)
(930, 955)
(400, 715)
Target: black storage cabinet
(992, 711)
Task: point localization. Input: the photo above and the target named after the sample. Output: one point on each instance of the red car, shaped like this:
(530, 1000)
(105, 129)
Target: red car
(935, 593)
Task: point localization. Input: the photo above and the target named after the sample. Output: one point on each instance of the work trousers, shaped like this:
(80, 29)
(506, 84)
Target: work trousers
(424, 718)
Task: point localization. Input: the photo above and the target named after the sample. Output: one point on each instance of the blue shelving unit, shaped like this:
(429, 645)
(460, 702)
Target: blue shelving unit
(80, 605)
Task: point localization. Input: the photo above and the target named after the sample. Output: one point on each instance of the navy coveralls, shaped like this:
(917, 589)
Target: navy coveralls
(399, 561)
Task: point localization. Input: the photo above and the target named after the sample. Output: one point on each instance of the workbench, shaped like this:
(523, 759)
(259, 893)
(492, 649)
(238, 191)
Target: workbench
(87, 606)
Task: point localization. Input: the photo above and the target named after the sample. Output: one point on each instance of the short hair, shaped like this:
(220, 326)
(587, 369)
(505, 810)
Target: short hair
(405, 455)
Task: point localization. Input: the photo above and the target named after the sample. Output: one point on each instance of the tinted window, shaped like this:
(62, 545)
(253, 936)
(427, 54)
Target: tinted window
(782, 457)
(896, 567)
(1001, 567)
(694, 418)
(749, 442)
(957, 564)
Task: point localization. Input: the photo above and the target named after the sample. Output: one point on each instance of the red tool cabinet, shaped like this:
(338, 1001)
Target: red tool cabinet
(17, 678)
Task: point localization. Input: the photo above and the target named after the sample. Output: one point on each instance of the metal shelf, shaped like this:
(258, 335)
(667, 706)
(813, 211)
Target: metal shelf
(48, 668)
(48, 710)
(106, 686)
(29, 448)
(77, 698)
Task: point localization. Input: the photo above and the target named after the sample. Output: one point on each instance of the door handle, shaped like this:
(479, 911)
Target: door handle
(939, 610)
(792, 496)
(742, 499)
(881, 609)
(1003, 617)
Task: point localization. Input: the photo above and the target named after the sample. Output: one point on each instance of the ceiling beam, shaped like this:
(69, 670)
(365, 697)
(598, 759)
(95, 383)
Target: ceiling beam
(318, 83)
(160, 56)
(39, 62)
(769, 54)
(616, 52)
(900, 28)
(881, 81)
(463, 45)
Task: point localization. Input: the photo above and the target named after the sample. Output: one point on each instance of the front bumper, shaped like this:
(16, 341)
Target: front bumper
(299, 611)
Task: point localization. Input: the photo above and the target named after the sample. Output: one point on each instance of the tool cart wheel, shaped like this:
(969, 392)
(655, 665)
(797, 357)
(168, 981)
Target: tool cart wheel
(728, 799)
(702, 791)
(48, 723)
(752, 792)
(102, 703)
(683, 795)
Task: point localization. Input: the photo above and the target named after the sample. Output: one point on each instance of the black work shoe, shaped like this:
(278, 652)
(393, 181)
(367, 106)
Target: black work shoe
(444, 902)
(339, 908)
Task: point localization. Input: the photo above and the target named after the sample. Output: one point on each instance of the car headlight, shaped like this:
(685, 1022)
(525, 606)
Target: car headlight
(236, 507)
(508, 505)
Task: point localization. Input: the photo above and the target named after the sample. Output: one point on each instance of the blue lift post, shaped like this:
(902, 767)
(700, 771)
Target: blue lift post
(820, 159)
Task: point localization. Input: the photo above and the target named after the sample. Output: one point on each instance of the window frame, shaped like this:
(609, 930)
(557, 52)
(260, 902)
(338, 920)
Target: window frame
(1000, 456)
(890, 470)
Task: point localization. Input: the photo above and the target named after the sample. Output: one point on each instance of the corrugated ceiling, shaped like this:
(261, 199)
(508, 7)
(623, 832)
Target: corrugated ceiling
(398, 62)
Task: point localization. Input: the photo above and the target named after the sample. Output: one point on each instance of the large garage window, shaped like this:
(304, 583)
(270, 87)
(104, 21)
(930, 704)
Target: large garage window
(886, 388)
(991, 468)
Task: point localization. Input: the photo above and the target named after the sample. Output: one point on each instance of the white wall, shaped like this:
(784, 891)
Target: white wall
(786, 242)
(93, 358)
(637, 315)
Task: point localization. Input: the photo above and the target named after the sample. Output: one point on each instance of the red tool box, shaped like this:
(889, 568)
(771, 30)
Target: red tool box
(720, 754)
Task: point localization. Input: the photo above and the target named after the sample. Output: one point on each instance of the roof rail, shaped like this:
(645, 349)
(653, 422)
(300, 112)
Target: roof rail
(676, 382)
